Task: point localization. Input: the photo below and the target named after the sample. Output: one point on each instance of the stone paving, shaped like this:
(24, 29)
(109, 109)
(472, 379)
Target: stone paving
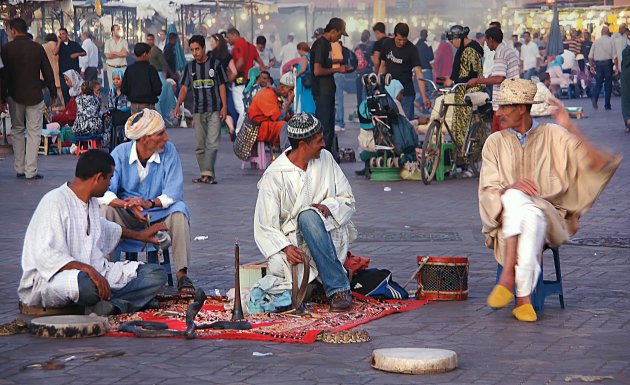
(590, 337)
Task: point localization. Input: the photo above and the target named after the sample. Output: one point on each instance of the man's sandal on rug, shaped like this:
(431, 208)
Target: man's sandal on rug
(184, 284)
(525, 313)
(500, 297)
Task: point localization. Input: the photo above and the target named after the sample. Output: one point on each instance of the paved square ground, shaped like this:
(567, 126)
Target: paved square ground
(590, 337)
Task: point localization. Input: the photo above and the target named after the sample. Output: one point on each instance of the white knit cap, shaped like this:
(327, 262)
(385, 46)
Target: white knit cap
(302, 126)
(288, 80)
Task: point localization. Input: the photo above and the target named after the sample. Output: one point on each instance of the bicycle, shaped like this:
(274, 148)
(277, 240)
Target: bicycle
(476, 133)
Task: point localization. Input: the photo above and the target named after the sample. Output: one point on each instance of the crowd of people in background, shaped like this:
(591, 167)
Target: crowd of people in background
(228, 73)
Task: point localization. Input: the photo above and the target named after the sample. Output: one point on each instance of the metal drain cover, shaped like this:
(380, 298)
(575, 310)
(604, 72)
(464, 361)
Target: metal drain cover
(408, 236)
(622, 242)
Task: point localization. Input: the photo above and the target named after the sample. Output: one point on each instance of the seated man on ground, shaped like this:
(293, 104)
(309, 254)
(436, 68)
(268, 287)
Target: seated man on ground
(64, 260)
(537, 180)
(270, 109)
(148, 181)
(304, 206)
(544, 97)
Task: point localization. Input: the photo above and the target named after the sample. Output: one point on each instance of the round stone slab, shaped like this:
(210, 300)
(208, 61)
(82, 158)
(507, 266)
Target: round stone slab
(414, 360)
(68, 326)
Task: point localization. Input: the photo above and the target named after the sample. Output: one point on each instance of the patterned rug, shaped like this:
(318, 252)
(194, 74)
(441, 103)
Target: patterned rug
(266, 327)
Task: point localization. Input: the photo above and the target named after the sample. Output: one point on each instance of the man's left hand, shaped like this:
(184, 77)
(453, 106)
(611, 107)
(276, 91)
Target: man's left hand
(223, 113)
(148, 235)
(427, 103)
(322, 209)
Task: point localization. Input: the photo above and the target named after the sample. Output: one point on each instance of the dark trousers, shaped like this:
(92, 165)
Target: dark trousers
(91, 74)
(603, 76)
(65, 91)
(325, 112)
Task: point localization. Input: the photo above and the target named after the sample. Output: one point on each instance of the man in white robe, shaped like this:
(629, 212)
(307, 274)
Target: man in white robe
(64, 259)
(304, 205)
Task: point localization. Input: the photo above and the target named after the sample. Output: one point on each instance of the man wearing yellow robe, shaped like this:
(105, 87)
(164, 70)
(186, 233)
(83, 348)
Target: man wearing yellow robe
(537, 180)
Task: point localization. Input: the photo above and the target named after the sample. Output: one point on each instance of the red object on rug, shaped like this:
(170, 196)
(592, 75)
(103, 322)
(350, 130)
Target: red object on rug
(272, 326)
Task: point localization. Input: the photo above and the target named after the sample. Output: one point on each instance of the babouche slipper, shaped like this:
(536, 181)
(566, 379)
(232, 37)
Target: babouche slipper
(525, 313)
(500, 297)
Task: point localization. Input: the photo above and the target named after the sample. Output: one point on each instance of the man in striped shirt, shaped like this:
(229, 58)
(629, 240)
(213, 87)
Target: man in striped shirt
(506, 66)
(207, 78)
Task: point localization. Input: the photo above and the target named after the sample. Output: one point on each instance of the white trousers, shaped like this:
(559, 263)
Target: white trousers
(237, 97)
(523, 219)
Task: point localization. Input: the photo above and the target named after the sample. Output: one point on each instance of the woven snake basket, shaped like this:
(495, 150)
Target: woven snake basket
(245, 139)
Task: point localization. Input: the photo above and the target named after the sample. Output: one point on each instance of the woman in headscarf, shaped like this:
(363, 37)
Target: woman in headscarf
(557, 78)
(467, 65)
(88, 120)
(166, 102)
(119, 108)
(69, 114)
(303, 90)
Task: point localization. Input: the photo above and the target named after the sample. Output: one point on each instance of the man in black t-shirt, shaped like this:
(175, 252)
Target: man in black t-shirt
(323, 78)
(207, 78)
(380, 35)
(400, 58)
(68, 52)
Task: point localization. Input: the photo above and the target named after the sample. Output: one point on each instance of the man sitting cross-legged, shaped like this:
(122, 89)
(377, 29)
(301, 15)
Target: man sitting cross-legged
(148, 180)
(537, 180)
(64, 260)
(304, 205)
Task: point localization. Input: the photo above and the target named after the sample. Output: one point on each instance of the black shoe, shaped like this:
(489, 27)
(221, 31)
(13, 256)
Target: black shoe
(608, 108)
(341, 302)
(212, 180)
(36, 177)
(20, 175)
(360, 172)
(594, 104)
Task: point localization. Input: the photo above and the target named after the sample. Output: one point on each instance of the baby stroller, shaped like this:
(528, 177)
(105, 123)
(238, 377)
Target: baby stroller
(388, 139)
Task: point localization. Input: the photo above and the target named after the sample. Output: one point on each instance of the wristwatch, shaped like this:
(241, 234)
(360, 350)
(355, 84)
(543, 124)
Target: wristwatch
(152, 203)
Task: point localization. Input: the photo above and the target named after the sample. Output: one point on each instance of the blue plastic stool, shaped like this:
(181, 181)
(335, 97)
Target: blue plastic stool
(545, 288)
(152, 257)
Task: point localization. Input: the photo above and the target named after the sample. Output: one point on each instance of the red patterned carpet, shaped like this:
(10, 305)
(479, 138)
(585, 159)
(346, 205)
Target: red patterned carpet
(268, 327)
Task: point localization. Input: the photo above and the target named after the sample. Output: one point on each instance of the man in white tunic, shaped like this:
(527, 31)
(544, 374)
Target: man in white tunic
(64, 259)
(304, 206)
(537, 180)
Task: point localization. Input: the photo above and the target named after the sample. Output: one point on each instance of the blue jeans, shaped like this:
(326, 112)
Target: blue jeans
(324, 254)
(407, 105)
(529, 73)
(339, 110)
(130, 298)
(603, 76)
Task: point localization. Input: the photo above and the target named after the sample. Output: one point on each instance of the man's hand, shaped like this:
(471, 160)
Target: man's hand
(83, 74)
(104, 291)
(177, 114)
(137, 212)
(294, 254)
(223, 113)
(472, 83)
(322, 209)
(349, 69)
(526, 186)
(137, 201)
(593, 70)
(616, 71)
(560, 114)
(148, 235)
(427, 103)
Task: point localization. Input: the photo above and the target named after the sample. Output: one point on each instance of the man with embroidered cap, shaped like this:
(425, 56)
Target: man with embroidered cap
(64, 260)
(271, 109)
(148, 184)
(537, 180)
(304, 208)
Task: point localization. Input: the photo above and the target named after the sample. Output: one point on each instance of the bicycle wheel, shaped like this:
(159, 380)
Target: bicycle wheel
(473, 145)
(431, 150)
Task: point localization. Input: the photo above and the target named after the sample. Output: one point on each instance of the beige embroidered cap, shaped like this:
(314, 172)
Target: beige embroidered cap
(517, 91)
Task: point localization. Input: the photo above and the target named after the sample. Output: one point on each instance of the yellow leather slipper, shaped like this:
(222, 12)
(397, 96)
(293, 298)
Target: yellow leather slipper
(500, 297)
(525, 313)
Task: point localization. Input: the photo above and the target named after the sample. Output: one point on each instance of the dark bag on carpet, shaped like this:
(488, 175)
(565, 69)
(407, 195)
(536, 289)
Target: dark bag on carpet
(378, 284)
(245, 139)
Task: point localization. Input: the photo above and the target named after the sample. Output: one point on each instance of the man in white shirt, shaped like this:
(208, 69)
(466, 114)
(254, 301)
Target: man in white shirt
(529, 57)
(116, 52)
(288, 51)
(161, 40)
(621, 41)
(89, 62)
(568, 60)
(64, 260)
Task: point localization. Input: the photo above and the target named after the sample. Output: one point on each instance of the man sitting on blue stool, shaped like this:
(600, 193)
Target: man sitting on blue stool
(537, 180)
(148, 181)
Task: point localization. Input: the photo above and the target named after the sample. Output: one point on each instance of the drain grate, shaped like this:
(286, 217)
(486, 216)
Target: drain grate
(621, 242)
(408, 236)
